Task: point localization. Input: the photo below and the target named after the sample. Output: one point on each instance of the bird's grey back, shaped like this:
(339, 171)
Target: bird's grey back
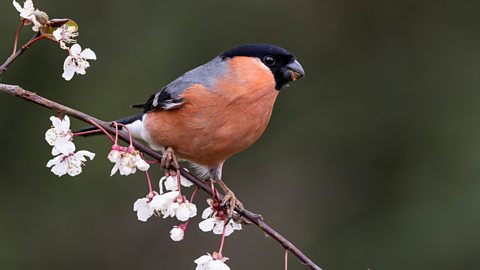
(205, 75)
(170, 96)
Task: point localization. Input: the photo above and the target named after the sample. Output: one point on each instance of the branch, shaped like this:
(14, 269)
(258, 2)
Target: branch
(17, 54)
(254, 218)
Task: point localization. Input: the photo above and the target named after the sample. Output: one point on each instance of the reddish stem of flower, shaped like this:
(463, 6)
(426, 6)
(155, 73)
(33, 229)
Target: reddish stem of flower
(56, 42)
(15, 43)
(116, 133)
(150, 189)
(223, 239)
(31, 42)
(150, 162)
(86, 132)
(286, 259)
(179, 183)
(214, 191)
(128, 131)
(102, 129)
(193, 194)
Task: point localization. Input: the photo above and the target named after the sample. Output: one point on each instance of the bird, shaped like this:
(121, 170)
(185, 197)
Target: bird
(216, 110)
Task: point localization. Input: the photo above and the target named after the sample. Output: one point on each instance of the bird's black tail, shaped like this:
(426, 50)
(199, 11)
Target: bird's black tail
(92, 130)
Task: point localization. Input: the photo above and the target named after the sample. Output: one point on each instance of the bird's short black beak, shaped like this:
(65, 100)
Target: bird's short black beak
(296, 70)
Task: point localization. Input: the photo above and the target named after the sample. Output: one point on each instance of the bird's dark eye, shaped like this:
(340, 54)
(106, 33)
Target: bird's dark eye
(268, 60)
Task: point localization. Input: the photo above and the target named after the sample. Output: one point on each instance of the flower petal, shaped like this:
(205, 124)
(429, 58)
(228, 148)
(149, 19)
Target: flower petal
(171, 183)
(51, 136)
(60, 169)
(204, 259)
(207, 224)
(88, 54)
(58, 34)
(84, 153)
(74, 170)
(63, 147)
(114, 170)
(54, 161)
(218, 265)
(64, 125)
(143, 209)
(17, 6)
(218, 228)
(76, 50)
(142, 165)
(185, 182)
(228, 229)
(207, 212)
(182, 213)
(68, 74)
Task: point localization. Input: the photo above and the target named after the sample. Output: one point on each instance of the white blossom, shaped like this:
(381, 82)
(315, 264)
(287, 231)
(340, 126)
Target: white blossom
(126, 161)
(66, 34)
(77, 62)
(215, 224)
(114, 155)
(143, 208)
(30, 14)
(177, 234)
(171, 183)
(26, 12)
(60, 136)
(171, 204)
(70, 163)
(164, 203)
(184, 210)
(207, 262)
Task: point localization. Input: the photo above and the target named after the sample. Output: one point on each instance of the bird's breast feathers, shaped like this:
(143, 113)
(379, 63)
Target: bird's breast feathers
(218, 120)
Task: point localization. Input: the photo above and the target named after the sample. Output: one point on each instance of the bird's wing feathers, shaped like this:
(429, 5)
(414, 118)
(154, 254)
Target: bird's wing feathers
(170, 97)
(161, 100)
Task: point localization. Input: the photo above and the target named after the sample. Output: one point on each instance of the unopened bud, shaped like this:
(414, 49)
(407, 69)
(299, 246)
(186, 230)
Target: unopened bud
(41, 17)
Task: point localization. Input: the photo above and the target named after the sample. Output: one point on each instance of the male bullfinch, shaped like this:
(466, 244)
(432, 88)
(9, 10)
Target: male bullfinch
(217, 109)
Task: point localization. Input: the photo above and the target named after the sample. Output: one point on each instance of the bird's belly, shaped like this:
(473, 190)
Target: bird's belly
(207, 131)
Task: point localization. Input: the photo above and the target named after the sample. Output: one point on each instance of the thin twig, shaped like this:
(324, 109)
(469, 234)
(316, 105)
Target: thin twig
(15, 55)
(253, 218)
(17, 34)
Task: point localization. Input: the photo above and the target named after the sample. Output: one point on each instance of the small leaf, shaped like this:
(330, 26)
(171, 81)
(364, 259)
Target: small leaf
(54, 24)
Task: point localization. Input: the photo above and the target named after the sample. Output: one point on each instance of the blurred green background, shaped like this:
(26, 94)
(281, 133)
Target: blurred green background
(370, 162)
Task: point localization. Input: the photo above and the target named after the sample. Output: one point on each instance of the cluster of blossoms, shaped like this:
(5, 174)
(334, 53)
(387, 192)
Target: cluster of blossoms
(171, 203)
(127, 160)
(215, 219)
(67, 161)
(168, 203)
(66, 33)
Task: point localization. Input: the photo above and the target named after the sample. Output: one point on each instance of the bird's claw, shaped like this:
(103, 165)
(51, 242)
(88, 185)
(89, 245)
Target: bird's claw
(169, 159)
(230, 202)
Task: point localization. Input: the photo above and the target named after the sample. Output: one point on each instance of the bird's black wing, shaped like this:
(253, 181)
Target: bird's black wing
(162, 100)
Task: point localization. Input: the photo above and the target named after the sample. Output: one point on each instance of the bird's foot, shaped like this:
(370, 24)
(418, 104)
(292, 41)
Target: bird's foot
(229, 203)
(169, 159)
